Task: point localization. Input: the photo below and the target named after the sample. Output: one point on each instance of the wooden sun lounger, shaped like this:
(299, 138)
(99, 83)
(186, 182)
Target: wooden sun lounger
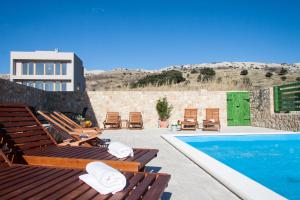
(74, 133)
(65, 126)
(20, 130)
(135, 120)
(73, 124)
(212, 121)
(190, 119)
(113, 120)
(31, 182)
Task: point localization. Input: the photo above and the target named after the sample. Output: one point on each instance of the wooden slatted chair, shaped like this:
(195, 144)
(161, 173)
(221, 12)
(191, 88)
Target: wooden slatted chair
(74, 125)
(67, 126)
(78, 136)
(113, 120)
(190, 119)
(32, 182)
(135, 120)
(21, 130)
(212, 121)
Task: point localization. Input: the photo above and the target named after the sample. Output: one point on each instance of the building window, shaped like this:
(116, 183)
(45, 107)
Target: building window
(27, 68)
(24, 68)
(57, 69)
(63, 86)
(49, 69)
(39, 68)
(57, 86)
(30, 68)
(49, 86)
(14, 69)
(64, 68)
(39, 85)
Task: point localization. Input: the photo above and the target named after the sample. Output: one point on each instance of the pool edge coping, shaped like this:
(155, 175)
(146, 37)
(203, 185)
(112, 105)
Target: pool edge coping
(241, 185)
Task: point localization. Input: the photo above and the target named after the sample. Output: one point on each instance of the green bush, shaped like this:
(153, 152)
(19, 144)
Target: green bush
(165, 77)
(298, 79)
(163, 109)
(269, 74)
(244, 72)
(283, 78)
(282, 71)
(206, 74)
(206, 71)
(194, 71)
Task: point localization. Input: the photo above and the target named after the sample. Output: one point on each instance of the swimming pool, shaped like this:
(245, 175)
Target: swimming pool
(271, 160)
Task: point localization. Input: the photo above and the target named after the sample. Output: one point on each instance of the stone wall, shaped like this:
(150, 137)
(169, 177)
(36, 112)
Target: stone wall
(145, 102)
(100, 102)
(47, 101)
(262, 112)
(15, 93)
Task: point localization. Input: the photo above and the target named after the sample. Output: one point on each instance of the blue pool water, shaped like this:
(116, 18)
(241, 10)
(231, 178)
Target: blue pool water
(272, 160)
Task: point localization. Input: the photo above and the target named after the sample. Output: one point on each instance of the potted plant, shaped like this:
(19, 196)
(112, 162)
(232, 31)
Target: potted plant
(164, 112)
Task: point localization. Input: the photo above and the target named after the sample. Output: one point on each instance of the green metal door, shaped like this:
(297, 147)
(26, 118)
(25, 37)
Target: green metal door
(238, 109)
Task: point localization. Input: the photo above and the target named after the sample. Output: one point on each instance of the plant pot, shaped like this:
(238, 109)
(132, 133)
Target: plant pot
(163, 124)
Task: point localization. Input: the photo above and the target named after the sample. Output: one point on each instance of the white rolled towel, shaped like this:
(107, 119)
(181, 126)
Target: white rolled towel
(120, 150)
(103, 178)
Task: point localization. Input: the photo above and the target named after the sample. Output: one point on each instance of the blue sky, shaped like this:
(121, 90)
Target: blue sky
(154, 33)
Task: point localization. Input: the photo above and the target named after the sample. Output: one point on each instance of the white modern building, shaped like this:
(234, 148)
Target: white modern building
(47, 70)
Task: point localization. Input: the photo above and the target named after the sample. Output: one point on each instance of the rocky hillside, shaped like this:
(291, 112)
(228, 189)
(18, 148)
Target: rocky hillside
(225, 76)
(228, 76)
(240, 65)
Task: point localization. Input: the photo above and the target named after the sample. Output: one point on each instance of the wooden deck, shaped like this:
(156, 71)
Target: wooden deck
(78, 157)
(28, 182)
(25, 136)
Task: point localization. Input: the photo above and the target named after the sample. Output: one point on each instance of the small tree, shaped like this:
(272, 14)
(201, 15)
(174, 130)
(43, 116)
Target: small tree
(282, 71)
(244, 72)
(298, 78)
(207, 71)
(194, 71)
(283, 78)
(163, 109)
(206, 74)
(269, 74)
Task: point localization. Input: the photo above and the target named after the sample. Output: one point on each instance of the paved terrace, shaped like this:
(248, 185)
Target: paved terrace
(188, 180)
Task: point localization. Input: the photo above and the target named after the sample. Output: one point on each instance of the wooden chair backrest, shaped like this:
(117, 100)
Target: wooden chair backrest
(190, 113)
(112, 117)
(56, 122)
(66, 119)
(21, 129)
(212, 113)
(135, 117)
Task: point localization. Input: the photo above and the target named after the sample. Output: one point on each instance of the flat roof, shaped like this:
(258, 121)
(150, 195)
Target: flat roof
(42, 55)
